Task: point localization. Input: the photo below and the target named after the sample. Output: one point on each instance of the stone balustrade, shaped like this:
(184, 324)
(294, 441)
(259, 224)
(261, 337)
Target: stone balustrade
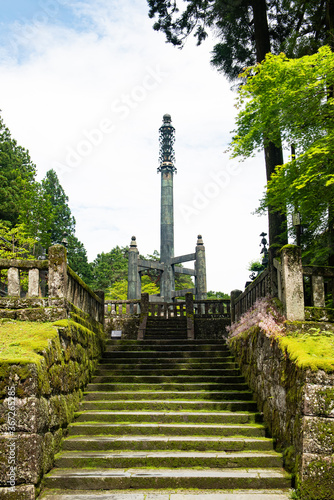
(48, 285)
(286, 281)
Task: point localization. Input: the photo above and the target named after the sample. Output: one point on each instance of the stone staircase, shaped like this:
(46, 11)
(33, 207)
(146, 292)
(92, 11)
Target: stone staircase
(167, 329)
(167, 414)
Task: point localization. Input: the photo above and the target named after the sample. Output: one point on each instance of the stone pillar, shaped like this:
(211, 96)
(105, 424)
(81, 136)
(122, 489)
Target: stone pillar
(144, 305)
(133, 270)
(167, 283)
(57, 271)
(190, 316)
(234, 295)
(318, 291)
(13, 282)
(33, 284)
(200, 268)
(292, 283)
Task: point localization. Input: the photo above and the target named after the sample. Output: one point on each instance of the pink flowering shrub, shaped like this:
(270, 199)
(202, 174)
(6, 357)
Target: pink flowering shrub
(263, 314)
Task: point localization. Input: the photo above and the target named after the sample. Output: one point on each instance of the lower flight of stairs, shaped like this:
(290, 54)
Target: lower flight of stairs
(167, 414)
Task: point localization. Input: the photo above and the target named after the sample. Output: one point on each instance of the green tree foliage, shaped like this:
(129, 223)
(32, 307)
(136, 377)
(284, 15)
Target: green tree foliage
(247, 31)
(291, 100)
(15, 243)
(36, 215)
(217, 295)
(119, 290)
(63, 223)
(77, 259)
(109, 268)
(17, 176)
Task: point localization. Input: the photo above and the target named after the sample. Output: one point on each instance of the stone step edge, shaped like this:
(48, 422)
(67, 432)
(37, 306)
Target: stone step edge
(167, 494)
(179, 472)
(168, 454)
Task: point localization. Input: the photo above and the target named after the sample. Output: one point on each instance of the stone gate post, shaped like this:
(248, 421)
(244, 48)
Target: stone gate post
(133, 270)
(292, 283)
(57, 271)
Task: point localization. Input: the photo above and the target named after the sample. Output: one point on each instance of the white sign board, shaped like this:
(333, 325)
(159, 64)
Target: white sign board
(116, 333)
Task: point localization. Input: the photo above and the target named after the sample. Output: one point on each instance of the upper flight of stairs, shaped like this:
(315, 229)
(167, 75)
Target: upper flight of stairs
(168, 329)
(167, 414)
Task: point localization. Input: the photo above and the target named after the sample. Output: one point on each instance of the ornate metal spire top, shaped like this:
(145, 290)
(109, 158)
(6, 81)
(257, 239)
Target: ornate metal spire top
(167, 139)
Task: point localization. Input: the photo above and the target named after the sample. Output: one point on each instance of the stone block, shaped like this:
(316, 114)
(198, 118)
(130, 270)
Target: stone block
(21, 492)
(317, 479)
(31, 415)
(319, 400)
(27, 455)
(318, 435)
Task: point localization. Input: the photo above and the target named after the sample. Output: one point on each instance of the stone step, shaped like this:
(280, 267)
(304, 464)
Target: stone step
(169, 417)
(181, 365)
(149, 429)
(168, 371)
(166, 347)
(143, 359)
(176, 494)
(164, 336)
(112, 341)
(180, 443)
(168, 395)
(170, 459)
(165, 354)
(165, 405)
(238, 386)
(102, 479)
(225, 376)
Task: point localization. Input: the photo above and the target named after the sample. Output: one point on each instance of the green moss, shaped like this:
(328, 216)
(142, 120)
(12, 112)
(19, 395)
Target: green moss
(23, 342)
(315, 352)
(318, 480)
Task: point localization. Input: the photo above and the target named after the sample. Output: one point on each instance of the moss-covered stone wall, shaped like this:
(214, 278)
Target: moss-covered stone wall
(298, 407)
(127, 325)
(211, 328)
(41, 398)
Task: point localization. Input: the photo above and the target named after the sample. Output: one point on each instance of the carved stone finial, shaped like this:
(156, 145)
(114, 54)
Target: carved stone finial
(133, 242)
(199, 240)
(167, 139)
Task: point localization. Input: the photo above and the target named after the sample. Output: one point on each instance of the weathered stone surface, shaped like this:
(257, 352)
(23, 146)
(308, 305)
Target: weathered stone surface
(317, 481)
(318, 434)
(46, 395)
(319, 400)
(298, 407)
(21, 492)
(27, 457)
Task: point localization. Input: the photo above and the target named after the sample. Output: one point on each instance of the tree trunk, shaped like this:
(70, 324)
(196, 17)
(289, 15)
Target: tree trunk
(273, 154)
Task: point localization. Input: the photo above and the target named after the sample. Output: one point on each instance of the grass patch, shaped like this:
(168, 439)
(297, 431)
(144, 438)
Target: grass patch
(313, 350)
(23, 342)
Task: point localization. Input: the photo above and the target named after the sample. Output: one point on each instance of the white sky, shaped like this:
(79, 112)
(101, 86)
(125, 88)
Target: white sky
(84, 85)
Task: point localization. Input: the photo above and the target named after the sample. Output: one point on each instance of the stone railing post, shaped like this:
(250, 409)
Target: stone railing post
(33, 284)
(234, 295)
(144, 303)
(190, 316)
(318, 291)
(200, 267)
(13, 282)
(57, 271)
(133, 270)
(100, 312)
(292, 283)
